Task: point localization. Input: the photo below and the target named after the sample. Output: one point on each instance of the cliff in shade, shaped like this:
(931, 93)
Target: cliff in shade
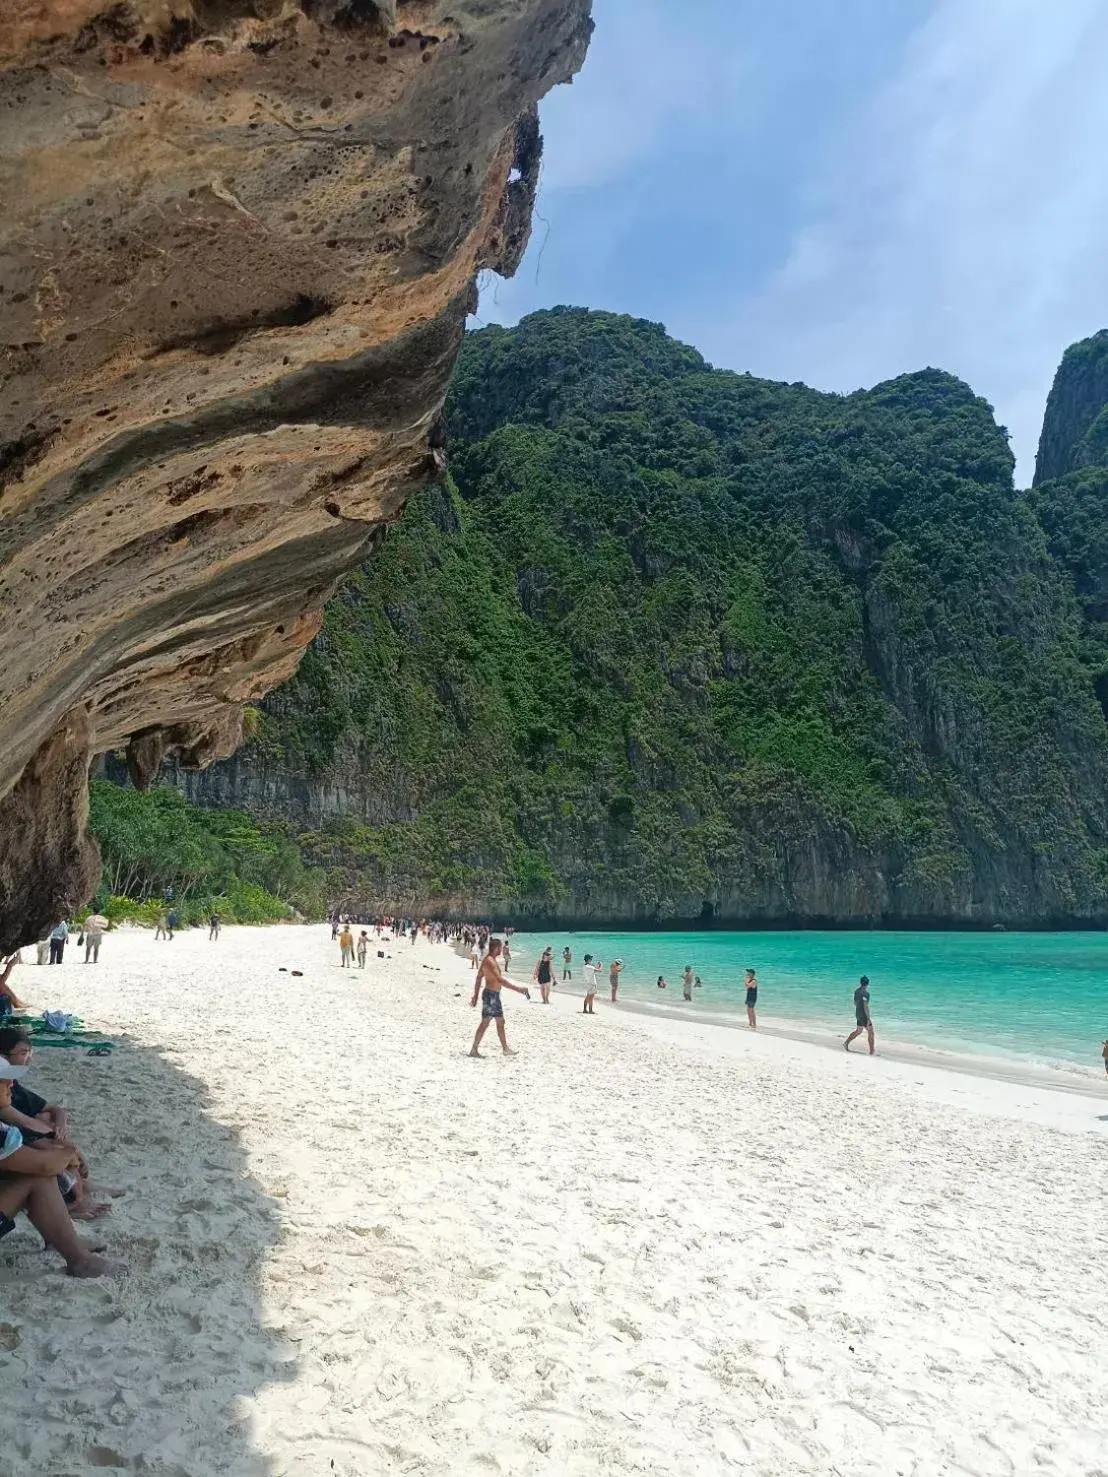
(676, 643)
(237, 248)
(1075, 427)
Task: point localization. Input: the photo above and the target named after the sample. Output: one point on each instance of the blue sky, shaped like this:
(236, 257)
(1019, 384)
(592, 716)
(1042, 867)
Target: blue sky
(836, 190)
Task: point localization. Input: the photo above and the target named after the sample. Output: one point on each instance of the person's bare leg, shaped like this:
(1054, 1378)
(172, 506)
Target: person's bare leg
(500, 1031)
(853, 1037)
(481, 1029)
(750, 1017)
(871, 1040)
(42, 1200)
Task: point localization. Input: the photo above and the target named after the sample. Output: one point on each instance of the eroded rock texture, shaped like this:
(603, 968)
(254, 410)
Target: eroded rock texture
(238, 241)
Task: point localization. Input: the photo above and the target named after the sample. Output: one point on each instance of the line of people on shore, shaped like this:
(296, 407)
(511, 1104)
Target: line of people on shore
(481, 942)
(492, 962)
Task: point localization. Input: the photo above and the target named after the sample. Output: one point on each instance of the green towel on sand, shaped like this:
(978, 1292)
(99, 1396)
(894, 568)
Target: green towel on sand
(75, 1037)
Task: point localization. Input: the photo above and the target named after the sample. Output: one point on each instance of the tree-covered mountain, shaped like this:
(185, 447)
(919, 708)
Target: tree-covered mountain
(679, 643)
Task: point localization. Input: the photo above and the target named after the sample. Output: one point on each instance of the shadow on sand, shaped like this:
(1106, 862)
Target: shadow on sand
(153, 1372)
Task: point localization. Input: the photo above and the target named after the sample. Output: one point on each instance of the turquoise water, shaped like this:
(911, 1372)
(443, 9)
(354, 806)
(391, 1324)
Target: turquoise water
(1030, 995)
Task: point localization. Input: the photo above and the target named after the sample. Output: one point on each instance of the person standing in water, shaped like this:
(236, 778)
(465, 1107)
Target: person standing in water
(862, 1016)
(489, 982)
(686, 981)
(567, 963)
(751, 999)
(1104, 1054)
(615, 969)
(544, 975)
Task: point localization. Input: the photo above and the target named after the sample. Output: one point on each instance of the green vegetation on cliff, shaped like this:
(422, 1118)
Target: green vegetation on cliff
(676, 643)
(208, 860)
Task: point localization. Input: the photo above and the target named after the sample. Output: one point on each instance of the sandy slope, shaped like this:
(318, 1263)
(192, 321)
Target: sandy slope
(636, 1248)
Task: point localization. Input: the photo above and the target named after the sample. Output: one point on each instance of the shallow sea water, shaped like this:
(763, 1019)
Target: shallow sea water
(1038, 996)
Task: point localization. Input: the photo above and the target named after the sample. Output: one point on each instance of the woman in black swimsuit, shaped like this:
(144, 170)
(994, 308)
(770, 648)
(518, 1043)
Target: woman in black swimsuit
(544, 976)
(751, 998)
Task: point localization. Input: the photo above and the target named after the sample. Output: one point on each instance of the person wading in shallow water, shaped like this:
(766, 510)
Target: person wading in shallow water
(862, 1015)
(489, 982)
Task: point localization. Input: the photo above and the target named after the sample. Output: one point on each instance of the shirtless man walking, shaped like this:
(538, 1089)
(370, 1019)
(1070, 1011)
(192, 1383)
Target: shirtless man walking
(489, 982)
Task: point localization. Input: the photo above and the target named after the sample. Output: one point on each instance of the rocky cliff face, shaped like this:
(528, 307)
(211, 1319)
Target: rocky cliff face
(1075, 427)
(237, 248)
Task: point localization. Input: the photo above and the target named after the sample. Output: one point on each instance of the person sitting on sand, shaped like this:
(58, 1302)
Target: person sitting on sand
(29, 1182)
(363, 948)
(751, 999)
(615, 969)
(544, 976)
(9, 1000)
(862, 1016)
(489, 982)
(45, 1126)
(16, 1047)
(346, 944)
(662, 982)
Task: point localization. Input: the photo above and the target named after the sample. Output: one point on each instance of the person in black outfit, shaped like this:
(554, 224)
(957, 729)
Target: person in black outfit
(862, 1016)
(544, 976)
(751, 999)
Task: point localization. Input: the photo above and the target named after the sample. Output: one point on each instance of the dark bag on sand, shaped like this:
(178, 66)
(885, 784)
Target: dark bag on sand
(81, 941)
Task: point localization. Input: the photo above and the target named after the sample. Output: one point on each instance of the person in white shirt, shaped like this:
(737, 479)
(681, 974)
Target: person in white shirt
(590, 968)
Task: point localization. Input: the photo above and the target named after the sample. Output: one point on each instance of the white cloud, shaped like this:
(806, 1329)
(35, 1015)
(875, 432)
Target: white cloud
(962, 221)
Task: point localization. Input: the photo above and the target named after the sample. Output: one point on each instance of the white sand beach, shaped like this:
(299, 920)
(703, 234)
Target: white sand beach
(641, 1246)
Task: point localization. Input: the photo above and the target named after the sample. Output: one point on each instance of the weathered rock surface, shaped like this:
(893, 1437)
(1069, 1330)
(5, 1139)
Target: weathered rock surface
(237, 247)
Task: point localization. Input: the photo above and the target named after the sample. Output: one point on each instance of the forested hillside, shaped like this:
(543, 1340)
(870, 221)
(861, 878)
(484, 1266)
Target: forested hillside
(678, 643)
